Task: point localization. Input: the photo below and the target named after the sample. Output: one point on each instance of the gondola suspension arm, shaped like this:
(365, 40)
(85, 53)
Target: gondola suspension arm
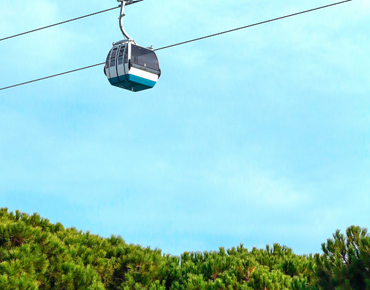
(122, 14)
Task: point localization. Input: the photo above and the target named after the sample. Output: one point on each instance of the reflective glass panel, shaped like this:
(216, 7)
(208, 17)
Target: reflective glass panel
(113, 57)
(126, 55)
(144, 57)
(120, 54)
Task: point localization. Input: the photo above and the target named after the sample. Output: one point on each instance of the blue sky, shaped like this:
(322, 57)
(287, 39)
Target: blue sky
(259, 136)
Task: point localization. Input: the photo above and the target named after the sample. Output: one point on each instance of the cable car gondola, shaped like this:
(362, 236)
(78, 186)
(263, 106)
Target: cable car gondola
(130, 66)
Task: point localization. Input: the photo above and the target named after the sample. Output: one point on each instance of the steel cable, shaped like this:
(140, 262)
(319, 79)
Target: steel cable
(59, 23)
(185, 42)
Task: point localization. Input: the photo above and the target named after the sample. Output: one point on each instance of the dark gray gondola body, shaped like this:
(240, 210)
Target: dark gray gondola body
(132, 67)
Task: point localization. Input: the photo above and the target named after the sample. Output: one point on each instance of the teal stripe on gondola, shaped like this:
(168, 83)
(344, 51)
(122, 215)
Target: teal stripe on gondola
(113, 81)
(132, 83)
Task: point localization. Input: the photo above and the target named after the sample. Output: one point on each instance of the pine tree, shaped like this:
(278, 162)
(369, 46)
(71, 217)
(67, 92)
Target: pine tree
(346, 261)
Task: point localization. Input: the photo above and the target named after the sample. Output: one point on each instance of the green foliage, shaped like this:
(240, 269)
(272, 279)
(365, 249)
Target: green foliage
(345, 263)
(36, 254)
(237, 268)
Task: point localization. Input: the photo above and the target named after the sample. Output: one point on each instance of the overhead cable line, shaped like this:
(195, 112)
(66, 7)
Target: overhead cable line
(255, 24)
(184, 42)
(59, 23)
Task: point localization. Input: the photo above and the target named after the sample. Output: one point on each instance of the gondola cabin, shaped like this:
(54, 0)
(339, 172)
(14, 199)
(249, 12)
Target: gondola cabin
(132, 67)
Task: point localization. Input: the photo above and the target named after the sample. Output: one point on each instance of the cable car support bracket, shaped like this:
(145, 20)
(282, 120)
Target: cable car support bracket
(122, 14)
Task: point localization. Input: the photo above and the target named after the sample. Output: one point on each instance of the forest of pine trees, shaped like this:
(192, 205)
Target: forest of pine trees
(36, 254)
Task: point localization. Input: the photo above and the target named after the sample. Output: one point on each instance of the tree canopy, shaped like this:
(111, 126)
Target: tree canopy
(36, 254)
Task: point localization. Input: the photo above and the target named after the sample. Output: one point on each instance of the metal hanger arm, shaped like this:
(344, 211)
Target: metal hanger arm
(122, 14)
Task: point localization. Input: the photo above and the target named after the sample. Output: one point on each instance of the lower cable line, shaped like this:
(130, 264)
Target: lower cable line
(52, 76)
(185, 42)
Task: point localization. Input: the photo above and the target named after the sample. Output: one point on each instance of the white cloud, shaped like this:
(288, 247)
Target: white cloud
(91, 146)
(21, 16)
(262, 190)
(42, 52)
